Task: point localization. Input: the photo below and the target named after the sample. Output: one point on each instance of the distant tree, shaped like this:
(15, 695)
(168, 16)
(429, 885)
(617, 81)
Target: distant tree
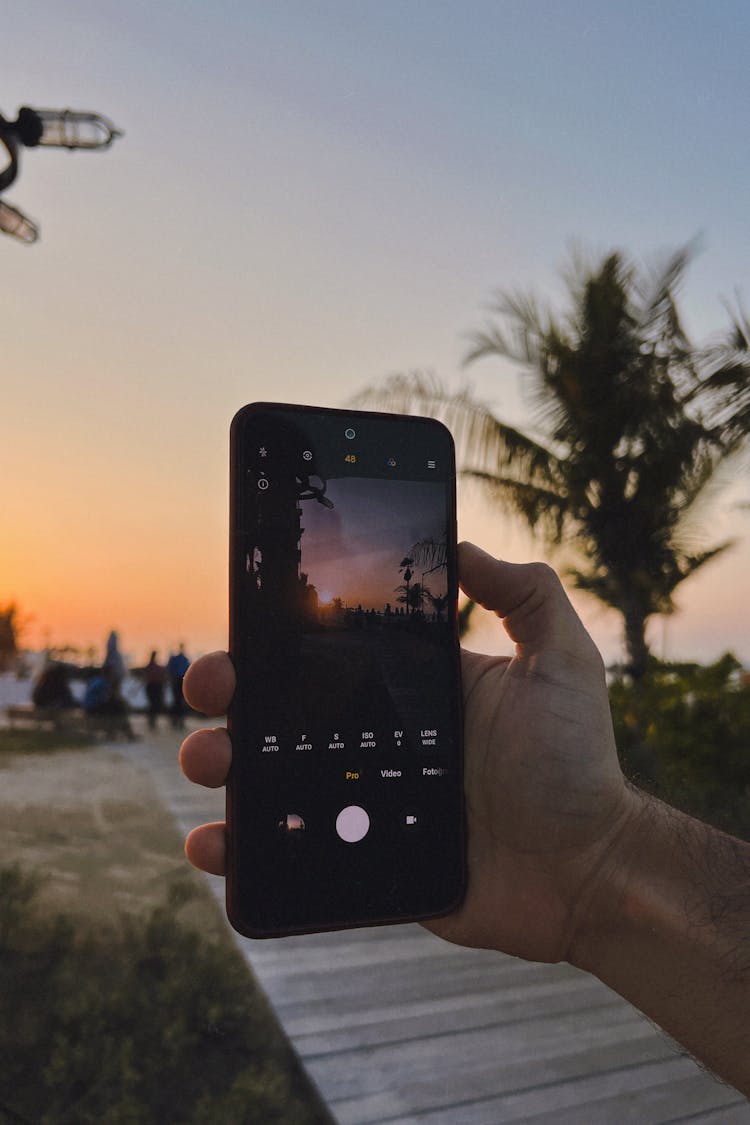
(308, 598)
(9, 629)
(430, 555)
(412, 596)
(632, 422)
(439, 602)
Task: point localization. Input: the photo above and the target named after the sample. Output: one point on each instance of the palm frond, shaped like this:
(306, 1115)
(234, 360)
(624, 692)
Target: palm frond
(688, 564)
(657, 290)
(481, 440)
(413, 392)
(527, 326)
(596, 583)
(740, 323)
(429, 553)
(487, 444)
(540, 507)
(723, 391)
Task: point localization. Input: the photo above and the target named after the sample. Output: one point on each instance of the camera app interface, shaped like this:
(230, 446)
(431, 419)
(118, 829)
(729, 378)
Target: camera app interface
(347, 706)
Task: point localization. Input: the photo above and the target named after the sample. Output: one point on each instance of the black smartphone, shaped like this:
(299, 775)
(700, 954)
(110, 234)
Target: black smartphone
(345, 796)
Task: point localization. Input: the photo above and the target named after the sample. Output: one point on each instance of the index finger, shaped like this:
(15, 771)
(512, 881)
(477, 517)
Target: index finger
(209, 683)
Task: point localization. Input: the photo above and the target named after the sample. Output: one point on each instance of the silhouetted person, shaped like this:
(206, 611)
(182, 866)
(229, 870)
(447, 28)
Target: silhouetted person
(52, 689)
(103, 697)
(114, 663)
(155, 675)
(177, 666)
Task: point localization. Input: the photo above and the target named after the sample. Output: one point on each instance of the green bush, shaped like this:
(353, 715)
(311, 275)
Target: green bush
(683, 732)
(145, 1022)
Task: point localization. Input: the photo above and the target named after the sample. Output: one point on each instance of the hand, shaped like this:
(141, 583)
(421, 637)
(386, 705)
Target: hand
(546, 800)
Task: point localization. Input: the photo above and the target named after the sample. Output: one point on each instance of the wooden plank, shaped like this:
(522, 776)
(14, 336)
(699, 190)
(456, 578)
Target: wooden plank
(356, 949)
(623, 1096)
(515, 1092)
(664, 1100)
(480, 1062)
(734, 1113)
(397, 984)
(318, 1033)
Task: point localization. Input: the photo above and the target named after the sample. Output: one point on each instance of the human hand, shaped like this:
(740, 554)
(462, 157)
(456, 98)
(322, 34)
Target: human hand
(546, 801)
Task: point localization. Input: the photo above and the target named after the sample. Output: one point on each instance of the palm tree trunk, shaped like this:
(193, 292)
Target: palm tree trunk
(643, 766)
(635, 641)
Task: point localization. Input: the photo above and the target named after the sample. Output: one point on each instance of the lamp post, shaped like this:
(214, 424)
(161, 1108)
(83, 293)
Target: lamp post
(47, 128)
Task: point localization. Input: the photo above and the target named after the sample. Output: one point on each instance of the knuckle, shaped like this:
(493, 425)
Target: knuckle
(544, 576)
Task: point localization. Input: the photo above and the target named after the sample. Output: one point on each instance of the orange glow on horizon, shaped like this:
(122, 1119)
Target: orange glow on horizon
(88, 546)
(75, 575)
(167, 584)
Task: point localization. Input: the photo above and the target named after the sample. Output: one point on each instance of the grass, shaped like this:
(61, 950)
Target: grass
(123, 999)
(24, 740)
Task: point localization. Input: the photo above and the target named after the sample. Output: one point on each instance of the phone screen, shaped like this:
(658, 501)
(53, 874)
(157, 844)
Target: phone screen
(344, 803)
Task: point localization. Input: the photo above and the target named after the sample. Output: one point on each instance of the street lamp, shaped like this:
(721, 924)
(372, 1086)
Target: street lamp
(64, 128)
(47, 128)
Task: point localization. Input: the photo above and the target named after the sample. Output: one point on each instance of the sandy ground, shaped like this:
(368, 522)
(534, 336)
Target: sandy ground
(66, 779)
(88, 820)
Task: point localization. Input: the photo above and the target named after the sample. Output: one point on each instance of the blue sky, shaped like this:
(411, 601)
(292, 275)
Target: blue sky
(311, 196)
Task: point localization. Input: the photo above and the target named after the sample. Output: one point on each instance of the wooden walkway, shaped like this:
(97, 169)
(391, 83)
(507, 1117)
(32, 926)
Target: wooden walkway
(394, 1025)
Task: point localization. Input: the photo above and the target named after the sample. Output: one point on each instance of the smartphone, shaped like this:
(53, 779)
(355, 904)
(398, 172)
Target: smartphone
(345, 795)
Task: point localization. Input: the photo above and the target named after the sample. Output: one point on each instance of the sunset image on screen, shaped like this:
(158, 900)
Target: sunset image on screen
(356, 550)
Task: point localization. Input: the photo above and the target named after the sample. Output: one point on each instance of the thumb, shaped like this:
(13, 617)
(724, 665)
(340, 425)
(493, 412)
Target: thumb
(528, 597)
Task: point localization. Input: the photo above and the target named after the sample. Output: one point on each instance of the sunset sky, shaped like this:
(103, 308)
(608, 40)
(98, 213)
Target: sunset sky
(307, 199)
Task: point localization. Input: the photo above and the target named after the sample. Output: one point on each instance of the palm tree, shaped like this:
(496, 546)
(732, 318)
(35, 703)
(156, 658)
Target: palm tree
(412, 596)
(633, 420)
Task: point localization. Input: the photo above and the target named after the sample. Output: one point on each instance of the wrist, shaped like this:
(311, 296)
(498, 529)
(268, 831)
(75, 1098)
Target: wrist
(620, 897)
(664, 881)
(667, 927)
